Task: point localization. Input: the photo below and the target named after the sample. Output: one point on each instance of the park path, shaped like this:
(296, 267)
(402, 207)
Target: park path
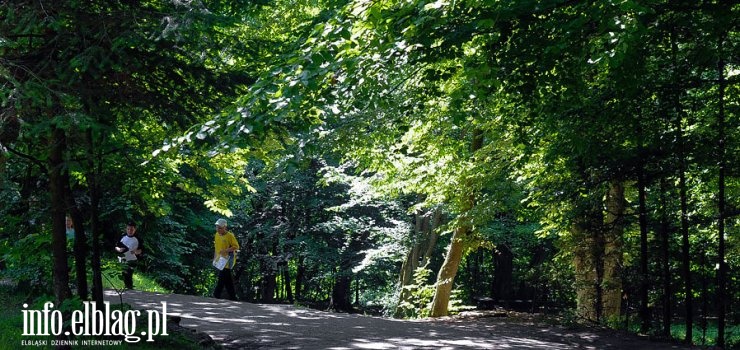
(242, 325)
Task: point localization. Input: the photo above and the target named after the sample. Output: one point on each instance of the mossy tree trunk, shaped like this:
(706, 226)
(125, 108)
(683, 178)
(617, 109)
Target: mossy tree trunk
(613, 244)
(424, 240)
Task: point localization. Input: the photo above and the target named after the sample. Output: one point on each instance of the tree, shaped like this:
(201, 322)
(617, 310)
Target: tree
(107, 61)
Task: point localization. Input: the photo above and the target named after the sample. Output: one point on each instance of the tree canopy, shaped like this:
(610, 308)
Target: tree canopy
(405, 157)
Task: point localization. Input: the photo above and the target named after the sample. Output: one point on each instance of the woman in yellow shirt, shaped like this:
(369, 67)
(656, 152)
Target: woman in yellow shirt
(225, 245)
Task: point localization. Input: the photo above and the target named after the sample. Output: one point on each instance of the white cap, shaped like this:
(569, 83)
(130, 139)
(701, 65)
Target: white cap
(221, 223)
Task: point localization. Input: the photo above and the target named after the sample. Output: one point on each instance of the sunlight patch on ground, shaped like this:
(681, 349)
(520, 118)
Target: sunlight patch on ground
(281, 332)
(374, 345)
(524, 343)
(296, 313)
(415, 342)
(218, 319)
(470, 343)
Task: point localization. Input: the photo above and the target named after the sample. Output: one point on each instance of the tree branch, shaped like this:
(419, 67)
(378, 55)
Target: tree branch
(23, 155)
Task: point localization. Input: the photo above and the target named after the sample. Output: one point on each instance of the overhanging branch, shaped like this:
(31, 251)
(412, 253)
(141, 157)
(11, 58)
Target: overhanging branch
(25, 156)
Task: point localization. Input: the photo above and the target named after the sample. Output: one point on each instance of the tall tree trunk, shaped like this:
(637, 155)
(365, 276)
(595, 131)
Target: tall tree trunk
(80, 247)
(411, 263)
(448, 270)
(301, 268)
(503, 272)
(280, 287)
(644, 277)
(269, 282)
(269, 279)
(585, 263)
(722, 272)
(341, 292)
(432, 236)
(286, 280)
(475, 274)
(58, 217)
(685, 246)
(612, 277)
(357, 291)
(300, 272)
(424, 240)
(666, 272)
(704, 300)
(95, 227)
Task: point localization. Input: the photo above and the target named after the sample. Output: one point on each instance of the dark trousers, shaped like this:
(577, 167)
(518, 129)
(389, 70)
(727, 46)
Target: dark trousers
(225, 280)
(128, 274)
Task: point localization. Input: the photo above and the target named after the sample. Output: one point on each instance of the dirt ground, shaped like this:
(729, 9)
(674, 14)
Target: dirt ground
(242, 325)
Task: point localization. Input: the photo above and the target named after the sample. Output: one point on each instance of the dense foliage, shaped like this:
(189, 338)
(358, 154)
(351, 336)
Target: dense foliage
(407, 157)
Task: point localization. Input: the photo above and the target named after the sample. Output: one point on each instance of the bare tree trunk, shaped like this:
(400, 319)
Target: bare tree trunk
(503, 272)
(286, 280)
(665, 247)
(58, 217)
(301, 268)
(411, 262)
(586, 277)
(612, 277)
(300, 272)
(269, 278)
(685, 246)
(80, 247)
(425, 239)
(644, 279)
(341, 292)
(588, 234)
(95, 227)
(475, 267)
(433, 235)
(448, 270)
(722, 273)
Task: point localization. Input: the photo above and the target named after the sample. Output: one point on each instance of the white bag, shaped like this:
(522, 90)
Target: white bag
(220, 263)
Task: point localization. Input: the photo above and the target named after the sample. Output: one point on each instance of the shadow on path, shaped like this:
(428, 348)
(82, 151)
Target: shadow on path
(242, 325)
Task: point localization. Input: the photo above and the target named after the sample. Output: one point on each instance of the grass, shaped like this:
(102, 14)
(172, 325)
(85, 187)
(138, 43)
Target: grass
(732, 334)
(11, 319)
(699, 336)
(112, 280)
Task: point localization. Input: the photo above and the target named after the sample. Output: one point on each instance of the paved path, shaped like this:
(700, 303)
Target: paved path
(241, 325)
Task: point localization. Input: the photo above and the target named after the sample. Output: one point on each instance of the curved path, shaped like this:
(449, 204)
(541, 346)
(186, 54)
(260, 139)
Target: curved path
(242, 325)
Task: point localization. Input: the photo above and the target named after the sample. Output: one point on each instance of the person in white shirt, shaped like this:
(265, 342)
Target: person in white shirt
(129, 246)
